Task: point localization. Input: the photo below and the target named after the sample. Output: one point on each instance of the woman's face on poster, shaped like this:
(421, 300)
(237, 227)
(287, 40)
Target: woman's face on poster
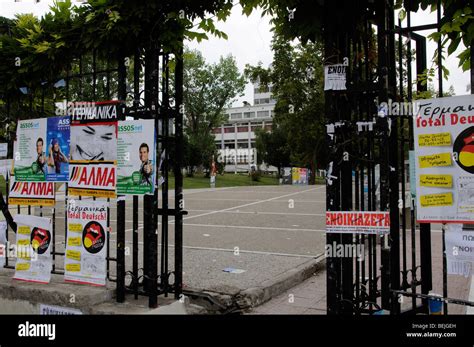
(95, 143)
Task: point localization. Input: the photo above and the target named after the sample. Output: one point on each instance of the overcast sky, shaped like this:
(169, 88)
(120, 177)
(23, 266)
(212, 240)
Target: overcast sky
(249, 40)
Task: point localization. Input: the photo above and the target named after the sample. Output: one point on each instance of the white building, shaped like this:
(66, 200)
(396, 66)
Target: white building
(235, 139)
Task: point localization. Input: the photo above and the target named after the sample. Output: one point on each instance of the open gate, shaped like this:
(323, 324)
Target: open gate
(368, 160)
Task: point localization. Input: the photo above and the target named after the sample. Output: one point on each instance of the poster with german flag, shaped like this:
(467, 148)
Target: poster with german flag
(86, 243)
(31, 193)
(34, 241)
(93, 162)
(444, 159)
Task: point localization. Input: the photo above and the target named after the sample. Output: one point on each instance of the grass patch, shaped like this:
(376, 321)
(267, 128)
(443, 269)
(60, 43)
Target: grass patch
(227, 180)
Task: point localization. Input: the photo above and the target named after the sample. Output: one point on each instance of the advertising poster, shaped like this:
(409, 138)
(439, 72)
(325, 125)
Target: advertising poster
(57, 139)
(359, 222)
(6, 168)
(136, 157)
(41, 150)
(459, 250)
(3, 242)
(286, 175)
(29, 150)
(93, 156)
(444, 159)
(335, 77)
(86, 244)
(33, 247)
(31, 193)
(299, 175)
(3, 150)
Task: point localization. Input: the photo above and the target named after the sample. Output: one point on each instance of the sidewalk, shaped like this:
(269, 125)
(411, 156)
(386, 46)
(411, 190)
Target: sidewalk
(309, 297)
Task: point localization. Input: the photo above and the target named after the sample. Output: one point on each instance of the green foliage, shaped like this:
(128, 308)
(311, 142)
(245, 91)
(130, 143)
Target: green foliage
(298, 134)
(37, 50)
(457, 25)
(208, 89)
(303, 19)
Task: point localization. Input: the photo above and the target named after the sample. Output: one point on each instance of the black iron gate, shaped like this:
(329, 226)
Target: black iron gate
(367, 164)
(149, 86)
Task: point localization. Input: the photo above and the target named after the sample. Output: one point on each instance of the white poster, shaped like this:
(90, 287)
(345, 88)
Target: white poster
(3, 242)
(3, 150)
(136, 157)
(93, 158)
(33, 249)
(6, 166)
(444, 159)
(459, 250)
(335, 77)
(86, 244)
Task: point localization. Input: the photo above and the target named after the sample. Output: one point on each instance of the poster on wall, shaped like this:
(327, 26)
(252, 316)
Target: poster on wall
(93, 163)
(3, 242)
(358, 222)
(444, 159)
(29, 150)
(136, 157)
(31, 193)
(3, 150)
(6, 168)
(459, 250)
(33, 248)
(299, 175)
(335, 77)
(41, 150)
(86, 244)
(286, 175)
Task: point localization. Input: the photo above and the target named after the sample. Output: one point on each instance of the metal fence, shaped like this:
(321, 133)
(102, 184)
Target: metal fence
(368, 161)
(150, 86)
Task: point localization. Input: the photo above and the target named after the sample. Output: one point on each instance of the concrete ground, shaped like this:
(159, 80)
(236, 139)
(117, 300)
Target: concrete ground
(271, 238)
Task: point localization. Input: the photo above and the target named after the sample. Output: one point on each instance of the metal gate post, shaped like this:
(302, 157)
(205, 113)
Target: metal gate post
(150, 237)
(178, 163)
(122, 95)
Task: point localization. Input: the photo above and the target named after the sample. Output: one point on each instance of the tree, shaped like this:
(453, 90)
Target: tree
(207, 89)
(297, 78)
(272, 147)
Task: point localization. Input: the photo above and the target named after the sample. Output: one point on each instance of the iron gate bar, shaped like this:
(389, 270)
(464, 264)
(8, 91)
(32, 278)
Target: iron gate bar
(122, 95)
(178, 174)
(164, 149)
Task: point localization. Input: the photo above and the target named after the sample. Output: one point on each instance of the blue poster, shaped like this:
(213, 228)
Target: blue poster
(57, 140)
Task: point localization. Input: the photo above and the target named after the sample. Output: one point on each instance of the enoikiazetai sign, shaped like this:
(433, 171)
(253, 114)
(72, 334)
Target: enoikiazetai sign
(358, 222)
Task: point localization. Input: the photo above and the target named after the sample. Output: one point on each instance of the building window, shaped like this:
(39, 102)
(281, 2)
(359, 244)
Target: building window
(229, 130)
(235, 115)
(242, 145)
(262, 114)
(249, 114)
(242, 129)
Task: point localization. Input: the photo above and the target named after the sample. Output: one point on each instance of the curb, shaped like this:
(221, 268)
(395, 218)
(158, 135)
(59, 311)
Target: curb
(269, 289)
(247, 299)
